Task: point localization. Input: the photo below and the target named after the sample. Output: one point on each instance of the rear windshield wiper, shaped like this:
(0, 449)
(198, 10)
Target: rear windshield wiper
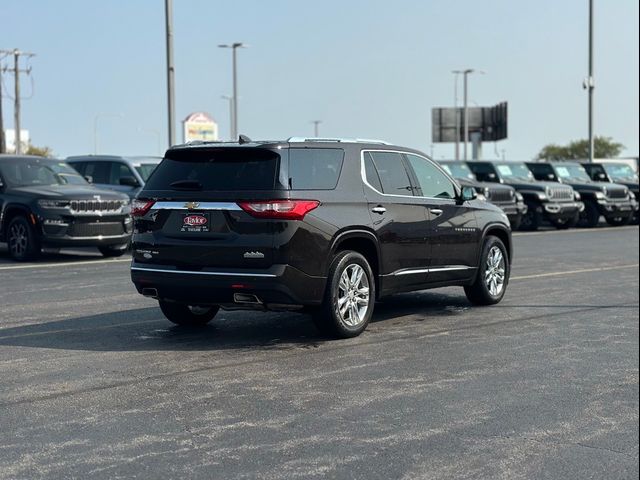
(186, 185)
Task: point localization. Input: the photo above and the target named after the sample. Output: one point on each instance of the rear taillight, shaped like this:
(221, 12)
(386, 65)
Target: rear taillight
(141, 207)
(279, 209)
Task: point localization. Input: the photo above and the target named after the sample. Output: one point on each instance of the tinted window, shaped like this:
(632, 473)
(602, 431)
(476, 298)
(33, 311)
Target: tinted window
(433, 182)
(371, 174)
(100, 172)
(314, 168)
(216, 170)
(26, 171)
(119, 170)
(146, 169)
(393, 175)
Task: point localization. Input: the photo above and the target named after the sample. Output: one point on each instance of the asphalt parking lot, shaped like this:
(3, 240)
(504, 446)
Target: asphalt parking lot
(95, 383)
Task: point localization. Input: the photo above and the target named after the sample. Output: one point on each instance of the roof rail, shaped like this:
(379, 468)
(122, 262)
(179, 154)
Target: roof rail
(337, 140)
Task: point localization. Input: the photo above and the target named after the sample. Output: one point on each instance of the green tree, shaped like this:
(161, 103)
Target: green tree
(39, 151)
(604, 147)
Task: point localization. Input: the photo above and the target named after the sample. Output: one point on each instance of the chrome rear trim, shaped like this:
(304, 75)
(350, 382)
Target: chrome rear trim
(414, 271)
(215, 274)
(200, 206)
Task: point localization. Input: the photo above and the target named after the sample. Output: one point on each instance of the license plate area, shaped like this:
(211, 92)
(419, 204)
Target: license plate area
(195, 222)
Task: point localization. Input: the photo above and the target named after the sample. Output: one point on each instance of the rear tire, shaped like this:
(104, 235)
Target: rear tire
(187, 315)
(493, 275)
(113, 250)
(590, 216)
(23, 240)
(349, 297)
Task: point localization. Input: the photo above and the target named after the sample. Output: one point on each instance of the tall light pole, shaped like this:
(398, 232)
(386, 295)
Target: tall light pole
(95, 127)
(229, 99)
(465, 74)
(316, 124)
(234, 46)
(457, 113)
(171, 103)
(589, 83)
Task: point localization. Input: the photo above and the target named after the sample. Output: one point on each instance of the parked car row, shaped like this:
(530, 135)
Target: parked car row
(563, 194)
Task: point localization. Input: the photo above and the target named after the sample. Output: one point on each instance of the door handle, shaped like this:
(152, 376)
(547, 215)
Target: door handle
(379, 209)
(436, 211)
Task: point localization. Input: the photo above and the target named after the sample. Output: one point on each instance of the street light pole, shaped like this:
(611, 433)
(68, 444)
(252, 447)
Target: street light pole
(457, 113)
(466, 109)
(590, 84)
(234, 47)
(316, 124)
(171, 104)
(230, 101)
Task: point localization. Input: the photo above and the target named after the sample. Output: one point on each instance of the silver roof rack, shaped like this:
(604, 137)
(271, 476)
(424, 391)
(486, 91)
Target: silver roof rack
(338, 140)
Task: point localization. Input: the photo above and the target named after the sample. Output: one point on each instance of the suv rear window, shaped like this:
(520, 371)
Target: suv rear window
(216, 170)
(314, 168)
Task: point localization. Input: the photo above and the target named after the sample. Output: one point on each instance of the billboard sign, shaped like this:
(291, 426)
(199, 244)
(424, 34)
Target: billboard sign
(199, 126)
(490, 122)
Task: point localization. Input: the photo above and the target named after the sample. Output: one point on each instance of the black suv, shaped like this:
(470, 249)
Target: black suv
(560, 205)
(45, 203)
(325, 226)
(610, 200)
(504, 196)
(615, 172)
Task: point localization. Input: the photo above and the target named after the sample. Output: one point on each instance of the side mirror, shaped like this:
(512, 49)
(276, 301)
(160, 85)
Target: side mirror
(88, 178)
(468, 194)
(602, 177)
(551, 176)
(129, 182)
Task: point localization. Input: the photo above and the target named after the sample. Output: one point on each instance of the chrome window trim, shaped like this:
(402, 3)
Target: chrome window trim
(218, 274)
(201, 206)
(363, 174)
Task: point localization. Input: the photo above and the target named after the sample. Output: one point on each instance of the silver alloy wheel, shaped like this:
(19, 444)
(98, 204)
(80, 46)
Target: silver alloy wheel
(18, 239)
(495, 271)
(198, 310)
(353, 295)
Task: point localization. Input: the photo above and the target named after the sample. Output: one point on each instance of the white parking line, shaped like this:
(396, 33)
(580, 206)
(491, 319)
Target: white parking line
(576, 230)
(64, 264)
(573, 272)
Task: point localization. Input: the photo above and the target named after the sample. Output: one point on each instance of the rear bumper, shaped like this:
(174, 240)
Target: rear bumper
(276, 287)
(99, 241)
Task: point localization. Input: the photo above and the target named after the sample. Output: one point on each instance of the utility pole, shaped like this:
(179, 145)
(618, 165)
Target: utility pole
(316, 124)
(590, 83)
(171, 103)
(457, 113)
(16, 101)
(465, 74)
(2, 142)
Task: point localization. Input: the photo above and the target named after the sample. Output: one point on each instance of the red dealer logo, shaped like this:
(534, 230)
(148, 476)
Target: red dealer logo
(194, 220)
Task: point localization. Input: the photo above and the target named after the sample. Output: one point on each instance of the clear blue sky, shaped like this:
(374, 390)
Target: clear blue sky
(365, 68)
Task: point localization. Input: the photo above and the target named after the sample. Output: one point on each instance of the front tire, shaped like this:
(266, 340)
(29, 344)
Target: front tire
(590, 216)
(187, 315)
(493, 276)
(349, 297)
(22, 240)
(531, 220)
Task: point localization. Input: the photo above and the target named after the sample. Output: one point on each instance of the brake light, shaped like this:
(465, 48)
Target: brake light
(141, 207)
(279, 209)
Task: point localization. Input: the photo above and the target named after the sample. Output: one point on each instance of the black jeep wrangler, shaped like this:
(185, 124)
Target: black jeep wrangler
(613, 201)
(558, 204)
(504, 196)
(323, 225)
(615, 172)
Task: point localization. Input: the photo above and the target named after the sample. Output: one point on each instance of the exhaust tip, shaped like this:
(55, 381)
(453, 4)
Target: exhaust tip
(150, 292)
(246, 298)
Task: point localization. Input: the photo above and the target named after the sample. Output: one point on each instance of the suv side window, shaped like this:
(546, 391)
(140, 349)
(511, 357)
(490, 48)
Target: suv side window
(370, 172)
(541, 171)
(314, 168)
(392, 173)
(100, 172)
(119, 170)
(79, 167)
(432, 181)
(484, 172)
